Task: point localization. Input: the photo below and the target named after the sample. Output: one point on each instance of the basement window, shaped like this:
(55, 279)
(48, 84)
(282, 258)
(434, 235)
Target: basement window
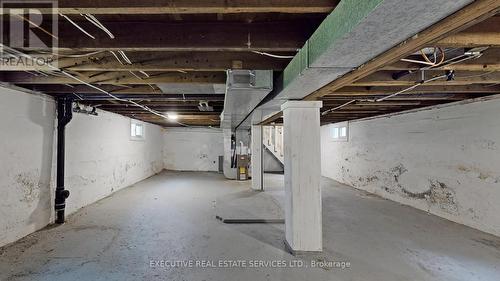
(340, 131)
(137, 130)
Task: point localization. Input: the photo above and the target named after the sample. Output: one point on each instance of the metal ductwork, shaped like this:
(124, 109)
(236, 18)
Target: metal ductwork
(245, 89)
(356, 32)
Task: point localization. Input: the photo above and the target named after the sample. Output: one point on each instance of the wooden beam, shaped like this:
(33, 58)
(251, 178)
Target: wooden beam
(111, 78)
(425, 89)
(486, 33)
(160, 61)
(177, 98)
(489, 61)
(182, 117)
(462, 78)
(59, 89)
(164, 109)
(272, 118)
(474, 13)
(192, 6)
(404, 97)
(287, 36)
(146, 101)
(366, 104)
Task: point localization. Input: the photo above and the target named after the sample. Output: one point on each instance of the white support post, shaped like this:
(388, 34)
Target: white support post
(303, 222)
(256, 161)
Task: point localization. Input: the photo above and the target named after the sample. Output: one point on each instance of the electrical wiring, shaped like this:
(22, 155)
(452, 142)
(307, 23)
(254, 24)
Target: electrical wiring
(272, 55)
(417, 61)
(72, 56)
(98, 24)
(147, 76)
(120, 99)
(69, 75)
(77, 26)
(42, 73)
(31, 72)
(151, 86)
(144, 73)
(127, 60)
(435, 56)
(117, 58)
(136, 76)
(427, 60)
(461, 58)
(37, 26)
(338, 107)
(448, 75)
(124, 57)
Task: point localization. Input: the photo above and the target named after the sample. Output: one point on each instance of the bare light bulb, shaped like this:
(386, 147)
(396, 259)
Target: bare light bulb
(172, 116)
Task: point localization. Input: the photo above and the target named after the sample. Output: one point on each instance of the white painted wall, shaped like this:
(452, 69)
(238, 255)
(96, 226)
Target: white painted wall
(192, 149)
(100, 159)
(26, 157)
(444, 160)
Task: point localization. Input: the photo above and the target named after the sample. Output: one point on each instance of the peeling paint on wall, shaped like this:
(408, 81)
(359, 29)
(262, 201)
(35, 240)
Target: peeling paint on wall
(449, 168)
(28, 186)
(95, 166)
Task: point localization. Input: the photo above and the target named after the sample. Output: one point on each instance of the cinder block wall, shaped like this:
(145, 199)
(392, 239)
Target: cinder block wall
(445, 160)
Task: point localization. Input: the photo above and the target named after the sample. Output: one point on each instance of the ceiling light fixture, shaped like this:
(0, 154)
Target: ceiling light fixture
(172, 116)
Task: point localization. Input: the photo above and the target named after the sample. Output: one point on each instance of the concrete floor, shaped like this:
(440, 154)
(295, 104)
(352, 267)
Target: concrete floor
(171, 216)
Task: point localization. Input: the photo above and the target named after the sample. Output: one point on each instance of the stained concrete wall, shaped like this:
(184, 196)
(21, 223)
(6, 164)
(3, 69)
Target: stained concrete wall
(101, 159)
(26, 157)
(192, 149)
(443, 160)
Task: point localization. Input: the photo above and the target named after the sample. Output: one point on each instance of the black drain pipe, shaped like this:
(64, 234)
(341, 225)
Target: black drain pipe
(64, 115)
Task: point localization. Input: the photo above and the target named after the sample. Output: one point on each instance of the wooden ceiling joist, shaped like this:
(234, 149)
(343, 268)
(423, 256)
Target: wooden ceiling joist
(425, 89)
(462, 78)
(469, 16)
(162, 61)
(482, 34)
(285, 36)
(489, 61)
(197, 41)
(192, 6)
(112, 78)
